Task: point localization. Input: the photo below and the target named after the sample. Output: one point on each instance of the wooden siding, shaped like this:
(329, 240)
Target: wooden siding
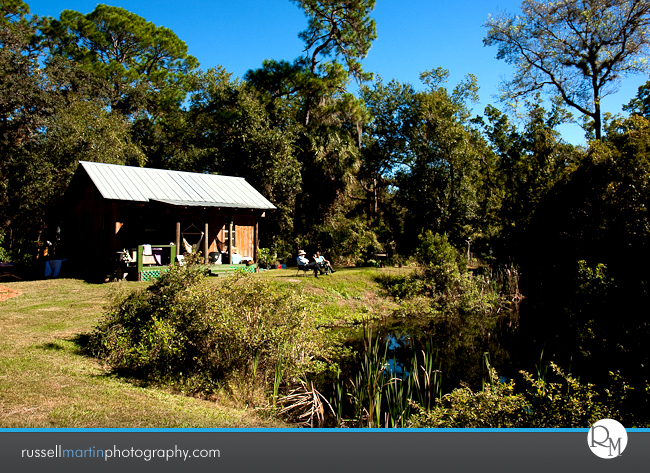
(95, 228)
(245, 235)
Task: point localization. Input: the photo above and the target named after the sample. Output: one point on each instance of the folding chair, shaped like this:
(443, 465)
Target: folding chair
(302, 268)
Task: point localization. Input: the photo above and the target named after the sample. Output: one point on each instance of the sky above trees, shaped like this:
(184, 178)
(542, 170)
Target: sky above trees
(411, 37)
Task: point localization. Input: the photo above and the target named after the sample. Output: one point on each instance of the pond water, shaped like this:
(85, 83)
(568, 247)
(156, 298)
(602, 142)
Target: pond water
(418, 359)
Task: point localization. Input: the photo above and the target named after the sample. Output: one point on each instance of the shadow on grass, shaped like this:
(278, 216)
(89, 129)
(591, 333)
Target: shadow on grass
(84, 347)
(83, 343)
(50, 346)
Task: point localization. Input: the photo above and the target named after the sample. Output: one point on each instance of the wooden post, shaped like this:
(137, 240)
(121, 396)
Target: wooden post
(172, 254)
(230, 228)
(178, 239)
(205, 244)
(140, 264)
(255, 242)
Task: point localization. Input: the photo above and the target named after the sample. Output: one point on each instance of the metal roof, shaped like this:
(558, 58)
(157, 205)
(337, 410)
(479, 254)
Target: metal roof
(117, 182)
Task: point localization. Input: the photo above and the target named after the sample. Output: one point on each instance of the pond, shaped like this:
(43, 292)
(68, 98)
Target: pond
(418, 359)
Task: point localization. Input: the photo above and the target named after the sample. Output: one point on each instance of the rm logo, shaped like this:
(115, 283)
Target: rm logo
(607, 438)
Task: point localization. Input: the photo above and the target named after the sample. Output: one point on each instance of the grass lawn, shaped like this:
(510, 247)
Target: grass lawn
(45, 381)
(348, 296)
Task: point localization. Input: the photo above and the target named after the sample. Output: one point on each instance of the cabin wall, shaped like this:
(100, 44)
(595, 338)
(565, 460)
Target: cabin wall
(88, 233)
(96, 229)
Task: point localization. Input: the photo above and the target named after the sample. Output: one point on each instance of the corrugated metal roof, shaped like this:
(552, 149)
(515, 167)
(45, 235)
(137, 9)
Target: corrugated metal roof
(173, 187)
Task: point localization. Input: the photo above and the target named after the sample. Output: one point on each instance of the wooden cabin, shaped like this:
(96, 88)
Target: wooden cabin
(110, 208)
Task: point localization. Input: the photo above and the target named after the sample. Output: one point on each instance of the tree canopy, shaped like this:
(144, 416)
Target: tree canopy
(146, 65)
(576, 49)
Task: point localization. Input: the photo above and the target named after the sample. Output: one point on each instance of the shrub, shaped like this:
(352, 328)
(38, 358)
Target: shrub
(440, 263)
(191, 330)
(562, 404)
(496, 406)
(266, 257)
(443, 277)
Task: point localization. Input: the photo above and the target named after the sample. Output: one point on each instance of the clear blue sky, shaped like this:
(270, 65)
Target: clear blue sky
(412, 36)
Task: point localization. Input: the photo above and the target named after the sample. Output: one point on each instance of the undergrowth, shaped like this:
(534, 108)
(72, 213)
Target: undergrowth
(240, 334)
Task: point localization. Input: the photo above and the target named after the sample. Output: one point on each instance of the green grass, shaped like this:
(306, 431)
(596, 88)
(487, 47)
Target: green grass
(45, 380)
(344, 298)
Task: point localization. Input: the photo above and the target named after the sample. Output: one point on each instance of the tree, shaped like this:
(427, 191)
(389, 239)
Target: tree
(640, 104)
(337, 28)
(385, 147)
(439, 181)
(576, 49)
(147, 65)
(530, 162)
(52, 113)
(586, 259)
(309, 99)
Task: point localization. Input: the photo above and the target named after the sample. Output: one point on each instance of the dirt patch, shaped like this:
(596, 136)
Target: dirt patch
(6, 293)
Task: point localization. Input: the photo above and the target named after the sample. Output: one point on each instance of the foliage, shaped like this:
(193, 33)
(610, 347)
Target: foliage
(381, 390)
(496, 406)
(597, 213)
(3, 250)
(187, 330)
(527, 164)
(640, 104)
(438, 185)
(549, 48)
(85, 131)
(565, 403)
(350, 239)
(325, 120)
(35, 89)
(146, 65)
(442, 276)
(338, 28)
(266, 257)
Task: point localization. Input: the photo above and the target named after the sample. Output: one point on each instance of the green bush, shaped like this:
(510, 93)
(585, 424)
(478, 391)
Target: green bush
(496, 406)
(194, 331)
(266, 257)
(442, 276)
(440, 263)
(565, 403)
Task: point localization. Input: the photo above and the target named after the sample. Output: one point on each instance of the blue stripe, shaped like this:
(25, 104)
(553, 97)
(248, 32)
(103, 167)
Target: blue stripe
(306, 431)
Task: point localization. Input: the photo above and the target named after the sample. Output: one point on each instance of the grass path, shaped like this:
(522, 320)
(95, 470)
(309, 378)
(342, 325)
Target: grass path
(46, 382)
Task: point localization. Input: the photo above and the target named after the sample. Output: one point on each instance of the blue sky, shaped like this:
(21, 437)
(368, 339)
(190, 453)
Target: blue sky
(412, 36)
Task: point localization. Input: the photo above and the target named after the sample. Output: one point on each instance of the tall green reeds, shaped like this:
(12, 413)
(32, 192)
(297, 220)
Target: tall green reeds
(379, 395)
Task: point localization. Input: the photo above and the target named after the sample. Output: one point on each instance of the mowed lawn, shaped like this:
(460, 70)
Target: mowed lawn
(45, 381)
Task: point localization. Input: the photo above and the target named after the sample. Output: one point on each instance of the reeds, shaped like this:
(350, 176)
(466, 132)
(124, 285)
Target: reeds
(378, 395)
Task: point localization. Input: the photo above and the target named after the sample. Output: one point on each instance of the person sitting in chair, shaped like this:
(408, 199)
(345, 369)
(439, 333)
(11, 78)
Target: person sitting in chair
(302, 261)
(323, 263)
